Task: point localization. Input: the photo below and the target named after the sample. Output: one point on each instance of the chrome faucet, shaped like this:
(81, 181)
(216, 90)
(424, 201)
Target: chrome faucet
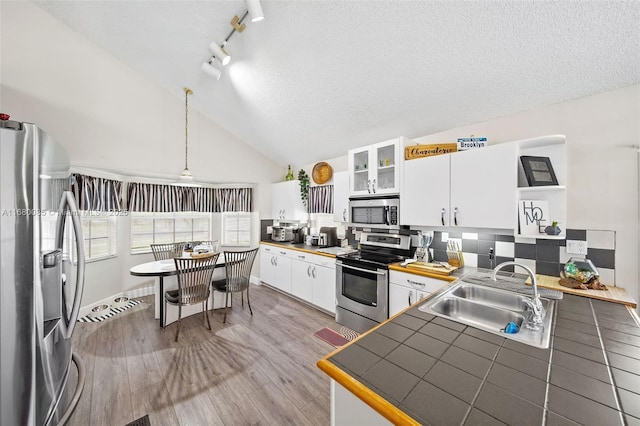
(536, 310)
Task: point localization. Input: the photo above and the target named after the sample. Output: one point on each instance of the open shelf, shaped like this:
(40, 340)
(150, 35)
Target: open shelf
(562, 236)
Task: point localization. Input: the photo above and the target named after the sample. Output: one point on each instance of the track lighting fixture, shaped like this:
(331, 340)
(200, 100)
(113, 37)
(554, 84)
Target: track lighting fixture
(254, 8)
(219, 53)
(208, 68)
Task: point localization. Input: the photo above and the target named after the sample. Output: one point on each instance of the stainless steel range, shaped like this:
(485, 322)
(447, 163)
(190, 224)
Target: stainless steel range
(362, 279)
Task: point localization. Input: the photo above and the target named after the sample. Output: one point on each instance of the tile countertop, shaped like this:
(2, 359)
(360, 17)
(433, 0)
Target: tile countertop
(323, 251)
(419, 368)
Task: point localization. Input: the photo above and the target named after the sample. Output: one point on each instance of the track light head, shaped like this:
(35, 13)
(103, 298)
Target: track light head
(209, 69)
(255, 10)
(219, 53)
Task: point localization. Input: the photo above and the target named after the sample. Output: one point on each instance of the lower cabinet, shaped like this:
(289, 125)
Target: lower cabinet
(313, 279)
(307, 276)
(275, 267)
(406, 289)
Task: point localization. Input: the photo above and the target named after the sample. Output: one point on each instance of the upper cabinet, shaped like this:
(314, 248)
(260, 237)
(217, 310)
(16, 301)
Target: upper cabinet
(376, 169)
(341, 196)
(286, 203)
(481, 188)
(471, 189)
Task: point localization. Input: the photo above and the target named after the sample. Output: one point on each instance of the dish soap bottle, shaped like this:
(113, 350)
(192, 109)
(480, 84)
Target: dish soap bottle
(289, 175)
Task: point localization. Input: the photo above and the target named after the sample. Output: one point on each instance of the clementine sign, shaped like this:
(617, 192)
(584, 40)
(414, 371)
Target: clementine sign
(419, 151)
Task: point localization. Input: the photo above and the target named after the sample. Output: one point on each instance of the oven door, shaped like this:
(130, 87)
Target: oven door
(363, 290)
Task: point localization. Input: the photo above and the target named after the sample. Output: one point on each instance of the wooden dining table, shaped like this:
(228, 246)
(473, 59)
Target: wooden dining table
(160, 269)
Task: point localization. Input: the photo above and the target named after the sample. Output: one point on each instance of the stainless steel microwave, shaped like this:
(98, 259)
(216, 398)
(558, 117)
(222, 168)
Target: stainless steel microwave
(379, 212)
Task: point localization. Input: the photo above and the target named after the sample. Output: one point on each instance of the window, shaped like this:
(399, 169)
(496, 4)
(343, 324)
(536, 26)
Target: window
(236, 229)
(99, 234)
(162, 228)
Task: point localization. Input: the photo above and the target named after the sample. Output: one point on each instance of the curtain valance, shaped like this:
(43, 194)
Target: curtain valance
(97, 194)
(321, 199)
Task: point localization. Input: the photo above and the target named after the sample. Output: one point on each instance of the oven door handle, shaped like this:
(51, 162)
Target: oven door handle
(363, 270)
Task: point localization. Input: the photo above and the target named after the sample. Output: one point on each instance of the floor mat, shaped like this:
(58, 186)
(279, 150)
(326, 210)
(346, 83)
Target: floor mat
(348, 333)
(142, 421)
(112, 312)
(332, 337)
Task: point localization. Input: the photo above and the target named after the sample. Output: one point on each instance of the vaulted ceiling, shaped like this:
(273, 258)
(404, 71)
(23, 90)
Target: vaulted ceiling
(316, 78)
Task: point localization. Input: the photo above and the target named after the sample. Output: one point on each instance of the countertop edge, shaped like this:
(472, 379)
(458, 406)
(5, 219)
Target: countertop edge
(371, 398)
(298, 249)
(397, 267)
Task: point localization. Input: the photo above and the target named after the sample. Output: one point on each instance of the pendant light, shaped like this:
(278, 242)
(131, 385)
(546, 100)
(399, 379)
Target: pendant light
(186, 179)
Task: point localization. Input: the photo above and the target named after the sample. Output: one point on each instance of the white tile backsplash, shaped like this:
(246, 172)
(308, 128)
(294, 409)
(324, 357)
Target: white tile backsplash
(529, 263)
(564, 256)
(607, 276)
(505, 249)
(470, 259)
(601, 239)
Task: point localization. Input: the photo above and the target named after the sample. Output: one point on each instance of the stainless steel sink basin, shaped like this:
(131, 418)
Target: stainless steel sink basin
(491, 309)
(476, 314)
(502, 299)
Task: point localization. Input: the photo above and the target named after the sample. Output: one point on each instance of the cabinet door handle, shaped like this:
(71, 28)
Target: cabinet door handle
(344, 215)
(308, 270)
(442, 216)
(276, 260)
(374, 186)
(416, 283)
(301, 256)
(455, 216)
(409, 297)
(369, 186)
(313, 272)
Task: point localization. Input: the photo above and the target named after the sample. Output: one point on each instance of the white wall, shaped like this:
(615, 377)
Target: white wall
(110, 117)
(602, 179)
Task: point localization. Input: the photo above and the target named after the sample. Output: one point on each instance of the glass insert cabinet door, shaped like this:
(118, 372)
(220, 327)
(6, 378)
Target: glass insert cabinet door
(375, 169)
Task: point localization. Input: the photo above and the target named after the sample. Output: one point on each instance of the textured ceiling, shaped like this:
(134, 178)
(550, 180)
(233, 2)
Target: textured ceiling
(316, 78)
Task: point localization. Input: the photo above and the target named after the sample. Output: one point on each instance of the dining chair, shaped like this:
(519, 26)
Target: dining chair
(167, 251)
(194, 279)
(237, 266)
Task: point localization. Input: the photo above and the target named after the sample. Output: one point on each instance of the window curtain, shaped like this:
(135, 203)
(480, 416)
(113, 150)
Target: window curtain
(321, 199)
(146, 197)
(97, 194)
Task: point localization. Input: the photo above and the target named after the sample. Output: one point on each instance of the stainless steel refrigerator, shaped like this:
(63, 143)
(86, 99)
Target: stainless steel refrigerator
(41, 275)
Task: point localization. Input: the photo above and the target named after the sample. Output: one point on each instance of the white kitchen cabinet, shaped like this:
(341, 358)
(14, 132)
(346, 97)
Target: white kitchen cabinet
(275, 267)
(425, 192)
(376, 169)
(341, 196)
(406, 289)
(286, 203)
(472, 188)
(482, 187)
(314, 280)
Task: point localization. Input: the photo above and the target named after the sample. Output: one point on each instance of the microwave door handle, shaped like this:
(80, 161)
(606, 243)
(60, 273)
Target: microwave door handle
(363, 270)
(68, 203)
(387, 215)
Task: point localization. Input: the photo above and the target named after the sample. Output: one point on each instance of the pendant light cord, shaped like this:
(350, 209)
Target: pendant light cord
(187, 91)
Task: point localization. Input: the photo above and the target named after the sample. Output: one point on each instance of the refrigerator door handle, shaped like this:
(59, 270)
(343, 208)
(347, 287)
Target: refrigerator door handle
(68, 203)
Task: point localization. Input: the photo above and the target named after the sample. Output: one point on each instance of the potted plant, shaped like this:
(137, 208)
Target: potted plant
(554, 229)
(304, 186)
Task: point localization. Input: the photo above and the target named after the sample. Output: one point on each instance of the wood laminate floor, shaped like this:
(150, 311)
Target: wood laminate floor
(253, 370)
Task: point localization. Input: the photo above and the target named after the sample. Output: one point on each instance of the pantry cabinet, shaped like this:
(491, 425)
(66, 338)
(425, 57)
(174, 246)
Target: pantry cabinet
(376, 169)
(286, 203)
(474, 188)
(406, 289)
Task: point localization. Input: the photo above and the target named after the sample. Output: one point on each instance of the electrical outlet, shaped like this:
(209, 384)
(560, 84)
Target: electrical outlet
(444, 237)
(576, 247)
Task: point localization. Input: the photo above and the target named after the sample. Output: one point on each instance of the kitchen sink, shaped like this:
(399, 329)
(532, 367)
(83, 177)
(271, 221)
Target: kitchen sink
(491, 309)
(494, 297)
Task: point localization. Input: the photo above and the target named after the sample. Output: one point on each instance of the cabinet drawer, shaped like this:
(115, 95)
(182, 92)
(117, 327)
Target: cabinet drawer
(418, 282)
